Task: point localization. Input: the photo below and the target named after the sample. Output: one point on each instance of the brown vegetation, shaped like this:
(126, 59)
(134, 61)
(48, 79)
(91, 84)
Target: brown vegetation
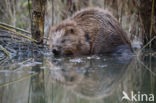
(136, 16)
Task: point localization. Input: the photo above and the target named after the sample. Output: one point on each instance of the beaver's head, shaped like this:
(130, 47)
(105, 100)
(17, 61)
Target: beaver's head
(68, 38)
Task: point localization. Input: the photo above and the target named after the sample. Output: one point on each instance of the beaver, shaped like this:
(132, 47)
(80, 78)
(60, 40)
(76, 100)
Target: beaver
(89, 31)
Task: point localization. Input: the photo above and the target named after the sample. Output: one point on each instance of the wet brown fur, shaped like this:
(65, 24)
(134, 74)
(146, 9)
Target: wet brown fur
(95, 31)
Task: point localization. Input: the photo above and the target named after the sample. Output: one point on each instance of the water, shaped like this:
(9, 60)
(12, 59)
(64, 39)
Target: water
(88, 79)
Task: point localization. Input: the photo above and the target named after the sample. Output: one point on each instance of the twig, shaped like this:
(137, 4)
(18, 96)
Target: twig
(19, 33)
(152, 15)
(147, 43)
(16, 28)
(26, 60)
(9, 4)
(145, 66)
(69, 8)
(2, 61)
(5, 51)
(22, 63)
(29, 11)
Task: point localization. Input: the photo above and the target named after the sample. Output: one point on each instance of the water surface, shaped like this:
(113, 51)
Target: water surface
(88, 79)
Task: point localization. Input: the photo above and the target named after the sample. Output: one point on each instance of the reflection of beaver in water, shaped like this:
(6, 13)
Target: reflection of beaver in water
(89, 31)
(90, 78)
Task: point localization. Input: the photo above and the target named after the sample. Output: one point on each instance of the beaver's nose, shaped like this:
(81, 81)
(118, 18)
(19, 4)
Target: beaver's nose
(56, 51)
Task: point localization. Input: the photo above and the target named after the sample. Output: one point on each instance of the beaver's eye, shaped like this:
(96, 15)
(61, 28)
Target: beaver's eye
(63, 40)
(72, 31)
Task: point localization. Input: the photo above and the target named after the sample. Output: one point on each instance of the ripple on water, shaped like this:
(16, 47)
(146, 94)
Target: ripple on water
(78, 60)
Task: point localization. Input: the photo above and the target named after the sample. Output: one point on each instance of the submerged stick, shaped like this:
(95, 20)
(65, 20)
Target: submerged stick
(16, 81)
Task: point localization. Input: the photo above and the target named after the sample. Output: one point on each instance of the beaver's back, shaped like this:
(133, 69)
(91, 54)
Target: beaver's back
(103, 30)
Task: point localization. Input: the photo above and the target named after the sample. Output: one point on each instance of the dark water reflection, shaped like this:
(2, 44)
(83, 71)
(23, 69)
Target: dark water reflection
(94, 79)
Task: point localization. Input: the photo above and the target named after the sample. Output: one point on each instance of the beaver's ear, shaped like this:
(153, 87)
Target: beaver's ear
(72, 31)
